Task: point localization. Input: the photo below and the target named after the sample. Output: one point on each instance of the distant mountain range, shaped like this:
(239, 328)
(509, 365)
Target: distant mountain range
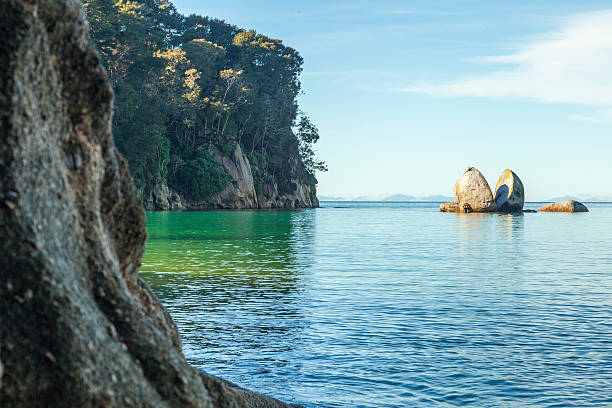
(431, 198)
(587, 198)
(394, 197)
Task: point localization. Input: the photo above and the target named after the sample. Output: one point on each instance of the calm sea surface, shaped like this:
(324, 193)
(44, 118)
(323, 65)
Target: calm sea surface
(394, 304)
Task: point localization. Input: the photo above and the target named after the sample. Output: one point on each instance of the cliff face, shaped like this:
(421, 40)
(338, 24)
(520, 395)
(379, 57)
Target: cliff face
(78, 327)
(240, 191)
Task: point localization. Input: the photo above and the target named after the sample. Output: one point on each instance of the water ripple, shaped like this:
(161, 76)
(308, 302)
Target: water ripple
(393, 305)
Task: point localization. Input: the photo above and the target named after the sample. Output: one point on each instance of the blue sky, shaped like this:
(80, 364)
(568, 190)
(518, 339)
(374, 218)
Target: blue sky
(408, 94)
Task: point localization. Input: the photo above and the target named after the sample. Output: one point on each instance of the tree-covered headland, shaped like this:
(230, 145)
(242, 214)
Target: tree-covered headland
(191, 91)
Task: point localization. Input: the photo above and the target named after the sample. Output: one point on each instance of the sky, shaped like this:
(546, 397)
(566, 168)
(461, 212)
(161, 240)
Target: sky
(408, 94)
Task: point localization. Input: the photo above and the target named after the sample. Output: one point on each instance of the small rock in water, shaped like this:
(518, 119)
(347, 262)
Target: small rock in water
(568, 206)
(473, 192)
(509, 193)
(449, 207)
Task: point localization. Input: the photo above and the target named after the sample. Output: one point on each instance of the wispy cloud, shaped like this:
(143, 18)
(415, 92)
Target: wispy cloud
(601, 116)
(571, 65)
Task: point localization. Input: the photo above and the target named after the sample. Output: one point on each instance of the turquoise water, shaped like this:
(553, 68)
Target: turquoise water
(394, 304)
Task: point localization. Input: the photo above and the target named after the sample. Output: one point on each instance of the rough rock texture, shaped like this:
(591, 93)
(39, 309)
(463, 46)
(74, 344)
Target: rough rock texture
(449, 207)
(240, 192)
(509, 193)
(163, 198)
(473, 192)
(78, 328)
(568, 206)
(301, 195)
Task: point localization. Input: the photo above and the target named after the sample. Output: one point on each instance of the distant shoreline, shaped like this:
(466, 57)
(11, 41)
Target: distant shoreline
(439, 202)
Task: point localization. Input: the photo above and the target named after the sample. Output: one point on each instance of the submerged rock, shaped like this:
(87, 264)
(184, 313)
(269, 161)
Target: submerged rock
(449, 207)
(473, 193)
(568, 206)
(509, 193)
(78, 327)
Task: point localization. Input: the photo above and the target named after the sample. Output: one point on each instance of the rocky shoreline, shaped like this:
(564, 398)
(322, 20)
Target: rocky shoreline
(474, 195)
(78, 327)
(240, 192)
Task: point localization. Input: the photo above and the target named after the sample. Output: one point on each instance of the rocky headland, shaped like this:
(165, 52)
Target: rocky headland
(78, 327)
(473, 194)
(206, 113)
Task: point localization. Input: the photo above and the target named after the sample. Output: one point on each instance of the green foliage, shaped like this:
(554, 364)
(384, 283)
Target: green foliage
(200, 179)
(226, 150)
(183, 84)
(307, 135)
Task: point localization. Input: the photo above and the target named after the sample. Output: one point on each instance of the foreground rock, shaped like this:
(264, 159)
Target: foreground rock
(78, 328)
(449, 207)
(568, 206)
(473, 193)
(509, 193)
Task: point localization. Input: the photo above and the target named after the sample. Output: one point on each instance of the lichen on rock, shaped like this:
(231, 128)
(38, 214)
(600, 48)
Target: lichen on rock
(473, 193)
(78, 327)
(450, 207)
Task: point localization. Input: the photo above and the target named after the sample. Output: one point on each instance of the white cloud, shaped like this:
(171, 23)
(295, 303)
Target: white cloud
(601, 116)
(571, 65)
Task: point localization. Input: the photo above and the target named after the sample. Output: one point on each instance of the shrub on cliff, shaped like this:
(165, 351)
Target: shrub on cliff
(200, 179)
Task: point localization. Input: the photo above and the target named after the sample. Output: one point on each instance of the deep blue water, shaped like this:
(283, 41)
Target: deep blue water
(393, 304)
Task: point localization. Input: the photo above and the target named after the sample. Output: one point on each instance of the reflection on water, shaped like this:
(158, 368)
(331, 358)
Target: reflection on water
(514, 224)
(233, 283)
(393, 305)
(489, 235)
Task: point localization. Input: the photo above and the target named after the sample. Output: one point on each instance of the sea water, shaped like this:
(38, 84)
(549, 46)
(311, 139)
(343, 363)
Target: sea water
(393, 304)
